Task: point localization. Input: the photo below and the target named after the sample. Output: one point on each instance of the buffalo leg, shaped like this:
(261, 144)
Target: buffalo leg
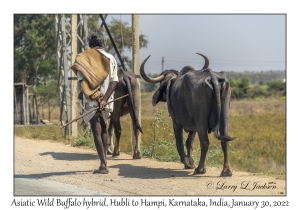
(204, 144)
(226, 167)
(135, 141)
(224, 120)
(189, 147)
(180, 146)
(223, 131)
(117, 128)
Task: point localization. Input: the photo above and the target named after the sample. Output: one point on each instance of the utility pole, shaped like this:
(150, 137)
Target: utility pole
(64, 42)
(73, 77)
(162, 64)
(136, 68)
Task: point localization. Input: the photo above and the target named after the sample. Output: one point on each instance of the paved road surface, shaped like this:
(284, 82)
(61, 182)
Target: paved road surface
(31, 187)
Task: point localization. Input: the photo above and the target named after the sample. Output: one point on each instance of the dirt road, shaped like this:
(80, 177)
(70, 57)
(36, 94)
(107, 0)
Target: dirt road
(49, 160)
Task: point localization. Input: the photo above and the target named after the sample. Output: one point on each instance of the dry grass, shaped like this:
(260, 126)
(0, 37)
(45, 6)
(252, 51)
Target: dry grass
(257, 107)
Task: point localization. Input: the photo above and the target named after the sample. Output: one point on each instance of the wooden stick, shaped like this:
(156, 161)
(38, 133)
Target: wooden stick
(81, 116)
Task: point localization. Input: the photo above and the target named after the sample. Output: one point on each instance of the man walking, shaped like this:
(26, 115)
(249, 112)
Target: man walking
(96, 71)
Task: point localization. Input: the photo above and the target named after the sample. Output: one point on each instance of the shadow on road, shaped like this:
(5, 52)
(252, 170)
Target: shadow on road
(70, 156)
(43, 175)
(142, 172)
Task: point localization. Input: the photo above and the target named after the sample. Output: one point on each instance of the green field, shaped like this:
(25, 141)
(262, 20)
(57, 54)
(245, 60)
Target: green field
(258, 125)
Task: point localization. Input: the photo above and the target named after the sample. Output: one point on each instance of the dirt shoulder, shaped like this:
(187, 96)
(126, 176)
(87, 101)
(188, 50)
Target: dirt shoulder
(72, 165)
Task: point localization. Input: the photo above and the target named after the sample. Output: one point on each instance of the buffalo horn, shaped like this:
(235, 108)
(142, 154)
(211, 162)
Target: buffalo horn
(206, 61)
(149, 79)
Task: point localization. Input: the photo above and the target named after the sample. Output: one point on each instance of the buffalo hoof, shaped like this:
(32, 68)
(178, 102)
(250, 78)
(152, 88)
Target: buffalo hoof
(200, 171)
(136, 157)
(115, 154)
(110, 150)
(188, 162)
(226, 173)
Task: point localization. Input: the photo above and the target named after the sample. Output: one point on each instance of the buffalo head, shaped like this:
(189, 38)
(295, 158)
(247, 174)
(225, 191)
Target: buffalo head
(163, 78)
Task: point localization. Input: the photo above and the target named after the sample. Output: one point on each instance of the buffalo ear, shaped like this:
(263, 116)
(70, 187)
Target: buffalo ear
(159, 94)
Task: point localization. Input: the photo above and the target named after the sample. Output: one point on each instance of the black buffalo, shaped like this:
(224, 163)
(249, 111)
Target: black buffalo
(198, 101)
(127, 85)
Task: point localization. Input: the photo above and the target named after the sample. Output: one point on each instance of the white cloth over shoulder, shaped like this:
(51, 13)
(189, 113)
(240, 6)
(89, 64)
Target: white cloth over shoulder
(112, 76)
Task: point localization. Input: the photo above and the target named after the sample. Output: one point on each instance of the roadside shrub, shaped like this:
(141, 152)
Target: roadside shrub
(84, 138)
(162, 149)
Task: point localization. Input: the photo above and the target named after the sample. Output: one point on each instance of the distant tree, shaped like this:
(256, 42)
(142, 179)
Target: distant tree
(239, 88)
(258, 77)
(258, 90)
(277, 87)
(34, 48)
(242, 89)
(34, 51)
(93, 22)
(48, 96)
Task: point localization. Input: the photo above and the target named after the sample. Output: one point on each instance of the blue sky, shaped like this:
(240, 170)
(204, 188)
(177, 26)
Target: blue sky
(235, 42)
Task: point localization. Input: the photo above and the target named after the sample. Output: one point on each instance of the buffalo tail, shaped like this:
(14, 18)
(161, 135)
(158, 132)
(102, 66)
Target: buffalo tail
(132, 110)
(217, 90)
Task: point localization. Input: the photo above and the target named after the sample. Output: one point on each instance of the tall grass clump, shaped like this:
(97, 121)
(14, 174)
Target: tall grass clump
(54, 132)
(84, 138)
(161, 145)
(42, 132)
(215, 156)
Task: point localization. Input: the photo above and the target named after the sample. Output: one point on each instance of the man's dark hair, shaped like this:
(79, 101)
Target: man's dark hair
(96, 38)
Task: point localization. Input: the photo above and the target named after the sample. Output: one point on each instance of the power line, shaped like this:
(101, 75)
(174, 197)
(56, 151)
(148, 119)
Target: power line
(218, 62)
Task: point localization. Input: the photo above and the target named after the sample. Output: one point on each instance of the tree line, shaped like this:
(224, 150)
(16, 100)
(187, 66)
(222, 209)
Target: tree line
(260, 84)
(243, 87)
